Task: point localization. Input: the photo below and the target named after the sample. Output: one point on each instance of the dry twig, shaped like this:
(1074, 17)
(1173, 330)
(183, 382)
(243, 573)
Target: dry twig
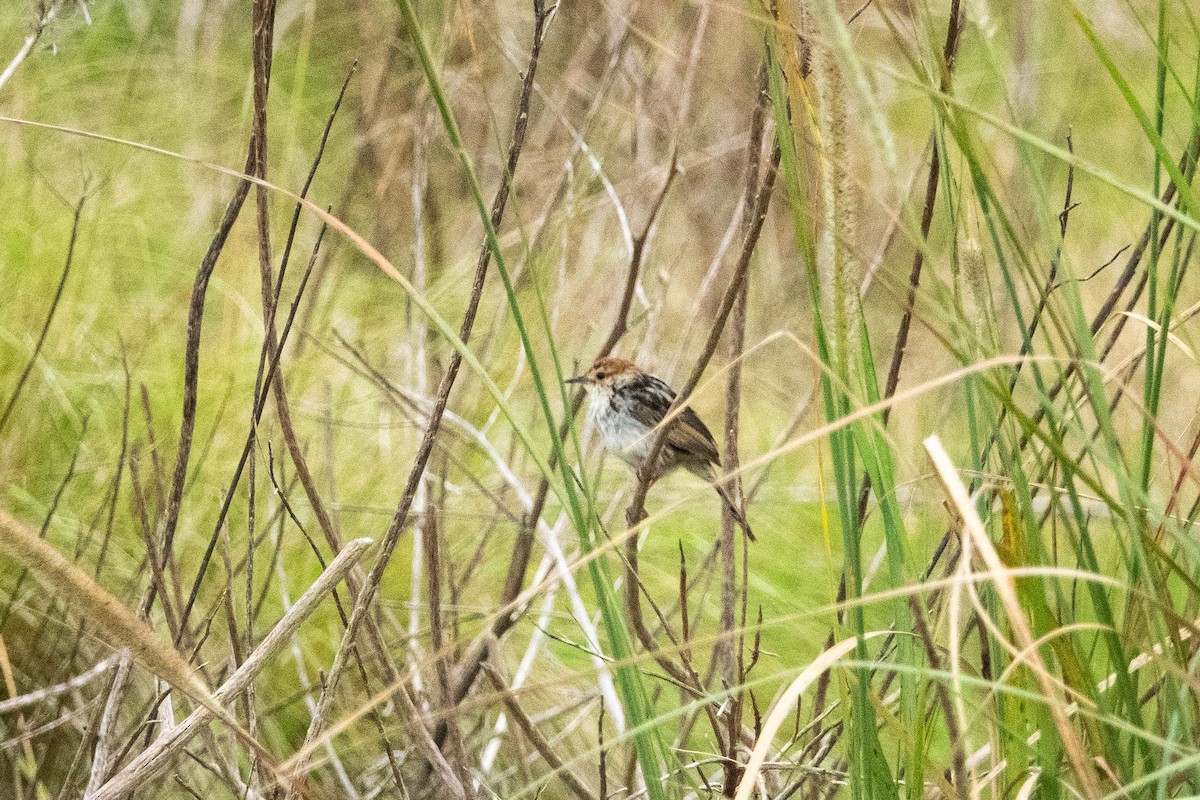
(158, 756)
(41, 340)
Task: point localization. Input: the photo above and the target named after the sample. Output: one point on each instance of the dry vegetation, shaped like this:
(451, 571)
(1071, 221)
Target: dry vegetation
(294, 502)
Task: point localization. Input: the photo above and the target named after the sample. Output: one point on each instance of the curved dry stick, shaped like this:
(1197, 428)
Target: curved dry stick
(269, 357)
(104, 752)
(260, 403)
(191, 363)
(50, 692)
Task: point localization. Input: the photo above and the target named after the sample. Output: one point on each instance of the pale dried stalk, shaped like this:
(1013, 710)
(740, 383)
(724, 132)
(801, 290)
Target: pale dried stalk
(102, 756)
(50, 692)
(549, 534)
(158, 756)
(549, 537)
(973, 532)
(781, 709)
(285, 600)
(420, 369)
(492, 749)
(30, 41)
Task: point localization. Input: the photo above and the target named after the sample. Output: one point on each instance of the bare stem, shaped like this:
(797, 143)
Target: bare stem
(37, 348)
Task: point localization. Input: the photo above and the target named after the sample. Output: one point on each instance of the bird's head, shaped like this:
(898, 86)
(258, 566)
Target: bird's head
(607, 374)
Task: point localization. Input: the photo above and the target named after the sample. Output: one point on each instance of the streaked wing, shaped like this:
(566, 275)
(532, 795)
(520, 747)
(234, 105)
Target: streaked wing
(692, 437)
(650, 398)
(647, 399)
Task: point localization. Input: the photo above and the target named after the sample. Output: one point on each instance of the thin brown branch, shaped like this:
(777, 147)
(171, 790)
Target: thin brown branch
(191, 369)
(958, 758)
(153, 548)
(431, 547)
(428, 745)
(636, 511)
(949, 57)
(260, 404)
(723, 651)
(121, 465)
(41, 340)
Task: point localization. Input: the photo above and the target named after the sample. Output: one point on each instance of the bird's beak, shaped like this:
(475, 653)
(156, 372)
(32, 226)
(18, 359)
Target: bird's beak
(577, 379)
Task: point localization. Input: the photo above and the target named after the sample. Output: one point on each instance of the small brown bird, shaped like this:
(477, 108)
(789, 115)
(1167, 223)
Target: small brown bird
(628, 404)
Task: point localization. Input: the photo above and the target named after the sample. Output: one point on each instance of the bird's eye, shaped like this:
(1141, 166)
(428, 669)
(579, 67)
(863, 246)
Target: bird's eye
(599, 376)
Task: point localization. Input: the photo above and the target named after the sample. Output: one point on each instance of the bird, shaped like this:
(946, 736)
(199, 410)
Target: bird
(626, 405)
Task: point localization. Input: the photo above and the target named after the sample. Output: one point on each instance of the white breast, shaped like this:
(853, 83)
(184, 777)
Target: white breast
(620, 433)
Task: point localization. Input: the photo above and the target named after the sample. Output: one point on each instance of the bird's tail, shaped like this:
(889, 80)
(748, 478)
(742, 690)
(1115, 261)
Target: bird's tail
(726, 493)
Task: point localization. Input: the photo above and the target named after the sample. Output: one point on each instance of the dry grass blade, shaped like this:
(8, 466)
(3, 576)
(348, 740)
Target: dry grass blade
(781, 709)
(51, 692)
(100, 608)
(972, 528)
(191, 376)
